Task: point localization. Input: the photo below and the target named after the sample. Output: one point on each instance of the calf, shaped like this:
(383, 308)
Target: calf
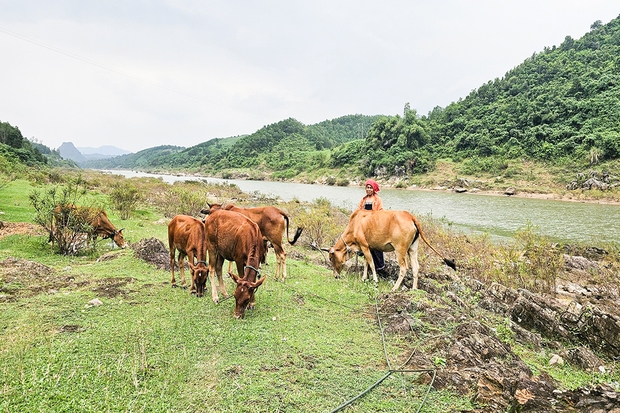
(272, 223)
(234, 237)
(187, 235)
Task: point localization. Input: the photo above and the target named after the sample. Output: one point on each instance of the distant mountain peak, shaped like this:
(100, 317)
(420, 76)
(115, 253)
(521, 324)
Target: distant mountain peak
(68, 151)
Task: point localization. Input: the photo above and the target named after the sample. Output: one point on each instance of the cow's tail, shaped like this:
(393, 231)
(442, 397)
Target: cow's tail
(297, 233)
(449, 262)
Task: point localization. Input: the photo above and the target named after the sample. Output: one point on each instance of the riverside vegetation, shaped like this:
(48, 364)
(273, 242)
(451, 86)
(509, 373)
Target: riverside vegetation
(102, 330)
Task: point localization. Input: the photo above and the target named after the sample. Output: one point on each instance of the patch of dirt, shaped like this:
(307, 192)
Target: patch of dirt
(71, 328)
(152, 251)
(17, 228)
(23, 278)
(112, 287)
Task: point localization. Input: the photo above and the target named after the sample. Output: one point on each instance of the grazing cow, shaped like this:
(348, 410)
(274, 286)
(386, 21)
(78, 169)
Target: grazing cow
(234, 237)
(384, 230)
(69, 215)
(187, 235)
(272, 222)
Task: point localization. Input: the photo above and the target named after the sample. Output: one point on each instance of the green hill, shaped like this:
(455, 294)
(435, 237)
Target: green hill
(144, 159)
(15, 148)
(559, 106)
(278, 146)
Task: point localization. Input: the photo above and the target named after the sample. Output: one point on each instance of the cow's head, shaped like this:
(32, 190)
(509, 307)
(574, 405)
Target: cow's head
(118, 238)
(199, 277)
(212, 207)
(244, 294)
(337, 257)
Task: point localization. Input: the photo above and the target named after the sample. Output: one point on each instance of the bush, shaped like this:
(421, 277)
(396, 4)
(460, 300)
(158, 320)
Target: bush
(532, 263)
(69, 228)
(125, 197)
(322, 223)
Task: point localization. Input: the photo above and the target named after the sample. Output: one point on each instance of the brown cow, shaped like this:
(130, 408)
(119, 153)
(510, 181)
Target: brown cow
(70, 215)
(272, 222)
(234, 237)
(383, 230)
(187, 235)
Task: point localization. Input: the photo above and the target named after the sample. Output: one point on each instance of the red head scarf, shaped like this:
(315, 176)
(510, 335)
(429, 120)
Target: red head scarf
(374, 184)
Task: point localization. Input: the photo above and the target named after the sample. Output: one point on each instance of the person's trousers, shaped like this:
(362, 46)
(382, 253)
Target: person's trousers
(377, 258)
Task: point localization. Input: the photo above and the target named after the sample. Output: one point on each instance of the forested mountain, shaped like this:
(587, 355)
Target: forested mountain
(560, 105)
(143, 159)
(279, 146)
(14, 146)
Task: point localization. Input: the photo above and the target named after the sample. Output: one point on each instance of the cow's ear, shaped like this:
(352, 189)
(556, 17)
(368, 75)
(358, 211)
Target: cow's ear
(258, 283)
(234, 277)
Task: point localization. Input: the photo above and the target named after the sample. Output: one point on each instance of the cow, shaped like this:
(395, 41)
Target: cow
(70, 215)
(187, 235)
(272, 222)
(383, 230)
(234, 237)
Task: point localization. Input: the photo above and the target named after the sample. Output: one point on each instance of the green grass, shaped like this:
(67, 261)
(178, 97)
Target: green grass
(310, 345)
(14, 202)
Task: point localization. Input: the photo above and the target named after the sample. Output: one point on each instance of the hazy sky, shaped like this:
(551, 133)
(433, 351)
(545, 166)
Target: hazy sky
(138, 74)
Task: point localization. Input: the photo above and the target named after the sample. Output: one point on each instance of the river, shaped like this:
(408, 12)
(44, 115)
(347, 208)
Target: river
(498, 216)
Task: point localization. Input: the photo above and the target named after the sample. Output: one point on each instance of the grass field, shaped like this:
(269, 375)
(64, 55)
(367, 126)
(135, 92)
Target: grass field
(311, 344)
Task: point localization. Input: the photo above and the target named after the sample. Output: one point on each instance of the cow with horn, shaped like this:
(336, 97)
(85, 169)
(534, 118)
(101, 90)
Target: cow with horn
(383, 230)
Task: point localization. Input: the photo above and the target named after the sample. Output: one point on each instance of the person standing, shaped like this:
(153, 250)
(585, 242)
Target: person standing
(372, 202)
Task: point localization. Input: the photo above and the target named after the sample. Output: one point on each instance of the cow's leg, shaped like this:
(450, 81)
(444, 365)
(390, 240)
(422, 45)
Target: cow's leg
(192, 289)
(212, 275)
(411, 255)
(402, 263)
(369, 263)
(215, 270)
(181, 262)
(414, 263)
(173, 282)
(280, 261)
(220, 280)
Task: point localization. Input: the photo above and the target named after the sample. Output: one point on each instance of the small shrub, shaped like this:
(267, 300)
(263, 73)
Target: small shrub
(69, 228)
(532, 262)
(125, 197)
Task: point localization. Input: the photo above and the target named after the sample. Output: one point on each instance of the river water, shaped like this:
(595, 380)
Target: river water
(498, 216)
